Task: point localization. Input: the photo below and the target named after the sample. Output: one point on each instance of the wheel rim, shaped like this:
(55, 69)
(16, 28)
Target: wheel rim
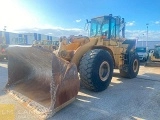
(104, 71)
(135, 65)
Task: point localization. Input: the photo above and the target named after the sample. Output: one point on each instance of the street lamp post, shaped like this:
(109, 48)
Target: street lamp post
(147, 34)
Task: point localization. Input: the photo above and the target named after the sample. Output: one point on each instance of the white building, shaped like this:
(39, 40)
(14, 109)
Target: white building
(25, 38)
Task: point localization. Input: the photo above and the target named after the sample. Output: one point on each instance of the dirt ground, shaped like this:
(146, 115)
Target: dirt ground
(125, 99)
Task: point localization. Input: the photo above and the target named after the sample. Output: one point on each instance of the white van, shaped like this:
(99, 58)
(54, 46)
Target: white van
(142, 53)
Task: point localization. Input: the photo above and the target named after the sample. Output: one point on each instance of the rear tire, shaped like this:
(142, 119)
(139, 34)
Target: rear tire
(96, 69)
(133, 68)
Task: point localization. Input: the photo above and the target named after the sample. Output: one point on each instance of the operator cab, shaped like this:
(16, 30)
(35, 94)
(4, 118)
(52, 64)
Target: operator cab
(108, 26)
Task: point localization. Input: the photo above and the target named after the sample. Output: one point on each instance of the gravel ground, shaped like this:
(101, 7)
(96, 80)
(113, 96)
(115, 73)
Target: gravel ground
(125, 99)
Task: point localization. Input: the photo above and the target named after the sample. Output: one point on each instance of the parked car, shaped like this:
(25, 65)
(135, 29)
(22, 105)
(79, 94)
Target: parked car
(142, 53)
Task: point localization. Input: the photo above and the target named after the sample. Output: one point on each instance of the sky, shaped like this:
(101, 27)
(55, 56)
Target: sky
(68, 17)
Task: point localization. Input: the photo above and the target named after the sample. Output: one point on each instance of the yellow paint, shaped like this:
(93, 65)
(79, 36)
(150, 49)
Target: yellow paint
(7, 112)
(72, 46)
(79, 46)
(83, 49)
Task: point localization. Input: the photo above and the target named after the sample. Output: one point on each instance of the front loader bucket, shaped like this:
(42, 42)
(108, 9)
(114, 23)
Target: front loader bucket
(40, 80)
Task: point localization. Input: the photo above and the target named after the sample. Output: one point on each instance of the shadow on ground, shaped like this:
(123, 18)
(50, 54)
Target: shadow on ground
(132, 99)
(129, 99)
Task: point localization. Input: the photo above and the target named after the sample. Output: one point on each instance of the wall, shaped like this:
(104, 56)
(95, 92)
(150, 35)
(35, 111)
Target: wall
(26, 38)
(13, 38)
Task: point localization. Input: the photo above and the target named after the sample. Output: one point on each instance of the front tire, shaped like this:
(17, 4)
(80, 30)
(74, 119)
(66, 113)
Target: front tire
(133, 68)
(96, 69)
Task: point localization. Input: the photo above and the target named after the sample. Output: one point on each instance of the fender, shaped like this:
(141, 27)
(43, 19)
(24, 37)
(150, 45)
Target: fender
(83, 49)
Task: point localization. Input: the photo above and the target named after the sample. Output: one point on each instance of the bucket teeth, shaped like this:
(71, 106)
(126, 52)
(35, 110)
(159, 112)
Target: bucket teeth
(40, 80)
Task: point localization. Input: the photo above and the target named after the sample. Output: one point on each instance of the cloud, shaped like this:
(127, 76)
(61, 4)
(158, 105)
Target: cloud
(132, 23)
(142, 35)
(58, 31)
(54, 31)
(78, 20)
(157, 22)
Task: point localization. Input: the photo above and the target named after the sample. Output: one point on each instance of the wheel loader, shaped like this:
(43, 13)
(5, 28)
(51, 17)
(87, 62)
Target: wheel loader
(46, 80)
(154, 58)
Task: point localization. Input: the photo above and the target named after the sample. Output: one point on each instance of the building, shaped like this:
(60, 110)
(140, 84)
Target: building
(25, 38)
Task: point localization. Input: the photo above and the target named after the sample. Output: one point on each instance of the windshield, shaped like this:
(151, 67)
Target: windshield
(99, 27)
(140, 49)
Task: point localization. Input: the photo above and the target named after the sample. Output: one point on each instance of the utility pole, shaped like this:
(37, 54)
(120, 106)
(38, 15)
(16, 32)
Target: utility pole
(147, 34)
